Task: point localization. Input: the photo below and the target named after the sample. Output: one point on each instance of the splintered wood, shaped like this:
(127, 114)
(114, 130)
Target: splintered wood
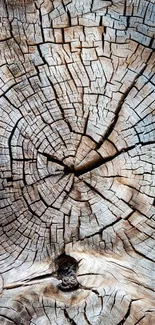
(77, 162)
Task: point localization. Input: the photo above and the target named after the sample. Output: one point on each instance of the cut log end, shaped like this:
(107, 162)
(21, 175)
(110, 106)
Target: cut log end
(77, 153)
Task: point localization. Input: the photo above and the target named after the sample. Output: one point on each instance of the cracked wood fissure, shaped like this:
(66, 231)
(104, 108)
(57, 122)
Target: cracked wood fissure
(77, 162)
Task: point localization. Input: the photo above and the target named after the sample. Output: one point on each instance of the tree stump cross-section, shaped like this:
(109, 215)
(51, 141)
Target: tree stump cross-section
(77, 162)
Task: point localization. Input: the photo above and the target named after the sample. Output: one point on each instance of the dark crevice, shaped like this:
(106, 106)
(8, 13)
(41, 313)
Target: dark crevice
(85, 316)
(151, 42)
(41, 277)
(90, 273)
(41, 55)
(100, 160)
(43, 305)
(86, 124)
(41, 24)
(9, 143)
(100, 22)
(69, 318)
(52, 159)
(127, 22)
(127, 313)
(100, 194)
(140, 320)
(69, 18)
(29, 282)
(91, 7)
(92, 164)
(120, 103)
(9, 179)
(67, 169)
(114, 301)
(25, 159)
(99, 232)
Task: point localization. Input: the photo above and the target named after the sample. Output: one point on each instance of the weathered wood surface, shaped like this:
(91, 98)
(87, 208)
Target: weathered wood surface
(77, 152)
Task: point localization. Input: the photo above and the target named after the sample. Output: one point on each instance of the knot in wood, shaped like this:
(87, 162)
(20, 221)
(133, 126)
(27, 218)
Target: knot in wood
(67, 272)
(69, 282)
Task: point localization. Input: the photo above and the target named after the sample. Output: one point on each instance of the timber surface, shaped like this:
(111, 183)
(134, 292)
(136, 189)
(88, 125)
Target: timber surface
(77, 162)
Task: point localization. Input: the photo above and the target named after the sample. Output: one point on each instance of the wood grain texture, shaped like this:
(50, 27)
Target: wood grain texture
(77, 162)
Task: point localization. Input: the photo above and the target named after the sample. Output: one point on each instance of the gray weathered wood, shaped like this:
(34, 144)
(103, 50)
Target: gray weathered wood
(77, 162)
